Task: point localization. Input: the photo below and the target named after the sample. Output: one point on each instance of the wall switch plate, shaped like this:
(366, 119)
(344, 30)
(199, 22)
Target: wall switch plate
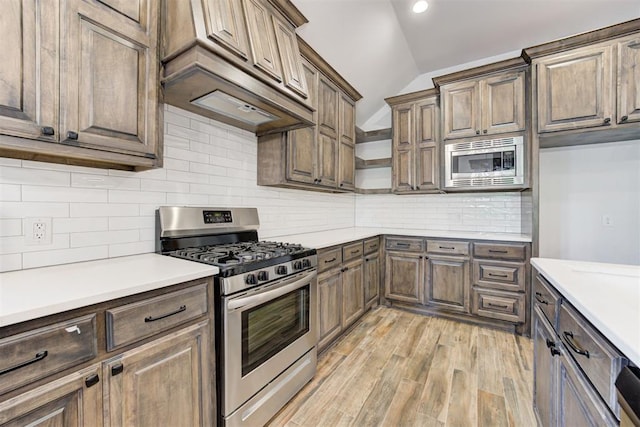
(37, 231)
(607, 221)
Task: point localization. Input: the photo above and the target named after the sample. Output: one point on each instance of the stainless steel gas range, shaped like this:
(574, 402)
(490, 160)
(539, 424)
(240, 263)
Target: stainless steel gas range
(265, 307)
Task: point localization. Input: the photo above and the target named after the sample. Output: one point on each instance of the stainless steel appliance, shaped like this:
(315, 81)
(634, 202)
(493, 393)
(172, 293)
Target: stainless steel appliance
(489, 163)
(266, 296)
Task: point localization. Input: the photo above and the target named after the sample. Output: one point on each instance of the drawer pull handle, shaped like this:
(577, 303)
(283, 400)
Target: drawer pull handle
(497, 305)
(494, 251)
(117, 369)
(447, 247)
(72, 329)
(540, 300)
(568, 338)
(91, 380)
(39, 356)
(498, 275)
(402, 245)
(355, 251)
(327, 261)
(153, 319)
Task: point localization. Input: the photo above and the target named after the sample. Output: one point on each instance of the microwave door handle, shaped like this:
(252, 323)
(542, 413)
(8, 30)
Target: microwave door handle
(254, 300)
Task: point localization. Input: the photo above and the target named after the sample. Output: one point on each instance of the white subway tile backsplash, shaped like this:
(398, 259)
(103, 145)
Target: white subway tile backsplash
(99, 213)
(10, 192)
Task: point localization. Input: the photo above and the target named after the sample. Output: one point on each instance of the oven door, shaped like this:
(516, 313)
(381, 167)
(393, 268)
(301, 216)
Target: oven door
(265, 331)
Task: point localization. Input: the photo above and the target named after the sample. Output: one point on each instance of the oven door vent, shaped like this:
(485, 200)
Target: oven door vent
(488, 143)
(485, 182)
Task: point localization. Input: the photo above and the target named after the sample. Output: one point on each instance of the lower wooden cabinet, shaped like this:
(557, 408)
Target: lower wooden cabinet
(371, 279)
(329, 306)
(448, 283)
(164, 382)
(71, 401)
(545, 366)
(404, 277)
(352, 292)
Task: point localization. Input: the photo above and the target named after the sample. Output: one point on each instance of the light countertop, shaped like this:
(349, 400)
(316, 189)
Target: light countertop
(29, 294)
(324, 239)
(608, 295)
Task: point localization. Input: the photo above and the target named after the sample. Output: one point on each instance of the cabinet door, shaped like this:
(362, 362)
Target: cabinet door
(329, 307)
(302, 148)
(327, 161)
(352, 293)
(109, 100)
(427, 141)
(328, 96)
(403, 148)
(371, 279)
(461, 105)
(404, 279)
(165, 382)
(503, 103)
(262, 38)
(448, 283)
(292, 71)
(577, 403)
(71, 401)
(575, 89)
(225, 25)
(545, 370)
(29, 71)
(347, 150)
(629, 81)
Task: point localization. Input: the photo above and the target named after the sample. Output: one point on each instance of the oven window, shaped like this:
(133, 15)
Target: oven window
(269, 328)
(483, 162)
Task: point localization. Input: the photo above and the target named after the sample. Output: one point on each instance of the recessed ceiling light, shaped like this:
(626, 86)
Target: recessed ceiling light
(420, 6)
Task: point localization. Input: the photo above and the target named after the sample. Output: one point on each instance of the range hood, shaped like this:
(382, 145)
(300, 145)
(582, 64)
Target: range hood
(213, 67)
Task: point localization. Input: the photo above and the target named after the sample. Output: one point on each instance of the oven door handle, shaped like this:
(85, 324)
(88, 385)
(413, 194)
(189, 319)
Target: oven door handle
(254, 300)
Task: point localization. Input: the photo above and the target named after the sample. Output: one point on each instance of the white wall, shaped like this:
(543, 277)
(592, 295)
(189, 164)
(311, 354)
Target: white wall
(99, 213)
(578, 186)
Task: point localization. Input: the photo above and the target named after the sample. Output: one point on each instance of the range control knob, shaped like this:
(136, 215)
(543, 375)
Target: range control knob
(306, 263)
(297, 265)
(263, 275)
(250, 279)
(282, 269)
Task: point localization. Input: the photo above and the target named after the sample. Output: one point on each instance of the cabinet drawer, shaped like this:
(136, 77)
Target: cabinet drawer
(351, 251)
(36, 354)
(500, 251)
(499, 275)
(599, 360)
(404, 244)
(371, 245)
(447, 247)
(546, 298)
(499, 305)
(133, 322)
(329, 258)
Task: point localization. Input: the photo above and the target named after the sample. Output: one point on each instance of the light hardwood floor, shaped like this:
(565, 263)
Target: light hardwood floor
(402, 369)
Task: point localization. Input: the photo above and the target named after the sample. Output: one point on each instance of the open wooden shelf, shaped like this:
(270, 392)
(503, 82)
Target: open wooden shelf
(372, 135)
(373, 190)
(373, 163)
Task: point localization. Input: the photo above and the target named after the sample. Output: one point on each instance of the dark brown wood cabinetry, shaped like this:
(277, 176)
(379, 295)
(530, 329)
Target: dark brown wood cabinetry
(157, 377)
(371, 272)
(321, 157)
(448, 283)
(415, 142)
(86, 91)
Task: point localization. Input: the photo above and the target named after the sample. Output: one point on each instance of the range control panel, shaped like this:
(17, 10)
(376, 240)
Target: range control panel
(217, 217)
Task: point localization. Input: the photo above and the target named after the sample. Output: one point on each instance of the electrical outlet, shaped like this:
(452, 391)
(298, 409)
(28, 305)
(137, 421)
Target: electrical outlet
(607, 221)
(37, 231)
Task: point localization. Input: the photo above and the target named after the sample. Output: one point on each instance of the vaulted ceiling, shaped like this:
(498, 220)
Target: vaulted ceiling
(381, 47)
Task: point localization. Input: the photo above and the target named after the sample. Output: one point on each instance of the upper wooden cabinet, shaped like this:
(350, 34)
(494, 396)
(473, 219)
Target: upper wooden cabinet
(588, 86)
(219, 54)
(322, 157)
(86, 91)
(486, 100)
(415, 142)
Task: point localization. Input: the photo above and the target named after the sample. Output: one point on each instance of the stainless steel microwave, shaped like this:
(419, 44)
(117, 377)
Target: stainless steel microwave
(488, 163)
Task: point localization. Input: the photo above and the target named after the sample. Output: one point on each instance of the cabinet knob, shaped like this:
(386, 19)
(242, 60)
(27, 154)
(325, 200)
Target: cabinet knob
(417, 187)
(624, 119)
(484, 131)
(320, 180)
(607, 120)
(72, 135)
(341, 185)
(117, 369)
(48, 130)
(478, 132)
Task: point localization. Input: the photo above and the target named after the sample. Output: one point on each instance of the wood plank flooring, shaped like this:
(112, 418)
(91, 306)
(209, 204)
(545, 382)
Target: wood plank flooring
(396, 368)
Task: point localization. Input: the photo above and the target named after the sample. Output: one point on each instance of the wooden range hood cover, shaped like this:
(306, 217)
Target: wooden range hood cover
(201, 57)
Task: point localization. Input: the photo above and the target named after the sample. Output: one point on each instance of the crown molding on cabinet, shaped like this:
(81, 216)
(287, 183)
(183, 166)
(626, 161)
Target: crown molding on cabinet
(481, 71)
